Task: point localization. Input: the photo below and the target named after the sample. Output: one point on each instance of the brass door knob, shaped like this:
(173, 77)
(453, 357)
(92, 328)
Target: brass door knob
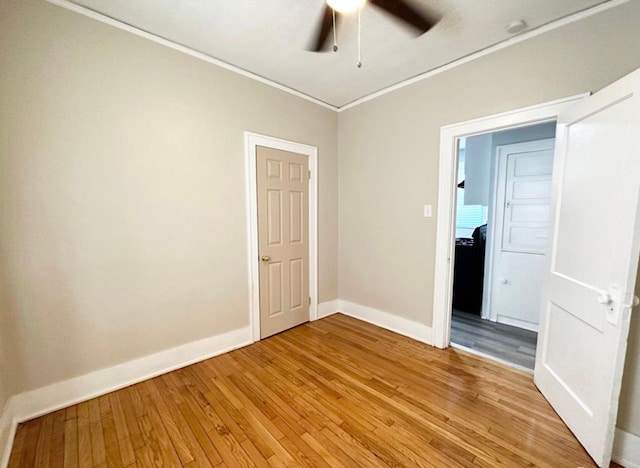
(265, 258)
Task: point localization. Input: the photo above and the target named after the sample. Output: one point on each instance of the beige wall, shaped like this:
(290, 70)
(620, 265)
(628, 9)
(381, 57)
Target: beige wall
(389, 150)
(122, 224)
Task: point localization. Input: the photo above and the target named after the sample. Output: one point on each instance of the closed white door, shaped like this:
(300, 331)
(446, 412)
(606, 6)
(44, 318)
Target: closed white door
(283, 239)
(521, 228)
(593, 261)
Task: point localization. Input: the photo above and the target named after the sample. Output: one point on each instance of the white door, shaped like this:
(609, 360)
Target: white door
(523, 199)
(283, 239)
(593, 260)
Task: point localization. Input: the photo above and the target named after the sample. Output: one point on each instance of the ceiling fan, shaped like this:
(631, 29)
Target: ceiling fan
(400, 9)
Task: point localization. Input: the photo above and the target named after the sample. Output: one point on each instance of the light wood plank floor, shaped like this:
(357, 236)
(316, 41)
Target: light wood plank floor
(511, 344)
(336, 392)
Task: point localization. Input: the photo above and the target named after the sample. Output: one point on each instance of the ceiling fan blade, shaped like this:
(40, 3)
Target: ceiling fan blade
(325, 26)
(405, 12)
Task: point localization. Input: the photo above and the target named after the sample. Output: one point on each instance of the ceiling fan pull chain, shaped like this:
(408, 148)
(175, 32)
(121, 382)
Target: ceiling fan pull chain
(359, 36)
(335, 34)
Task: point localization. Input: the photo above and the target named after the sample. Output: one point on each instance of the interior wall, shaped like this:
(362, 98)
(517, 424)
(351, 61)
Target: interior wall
(389, 150)
(523, 134)
(122, 191)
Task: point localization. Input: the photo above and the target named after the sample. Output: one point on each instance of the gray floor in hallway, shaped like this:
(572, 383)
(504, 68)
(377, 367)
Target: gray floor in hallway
(505, 342)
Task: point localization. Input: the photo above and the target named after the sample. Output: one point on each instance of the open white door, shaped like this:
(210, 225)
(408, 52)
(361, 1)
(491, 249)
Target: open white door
(593, 262)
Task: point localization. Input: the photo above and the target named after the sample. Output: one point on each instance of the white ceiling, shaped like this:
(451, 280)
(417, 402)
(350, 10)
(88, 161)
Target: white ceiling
(269, 37)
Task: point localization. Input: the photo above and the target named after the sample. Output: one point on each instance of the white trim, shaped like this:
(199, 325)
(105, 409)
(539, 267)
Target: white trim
(252, 140)
(445, 216)
(626, 449)
(8, 426)
(69, 5)
(490, 50)
(491, 249)
(328, 308)
(403, 326)
(60, 395)
(513, 322)
(88, 12)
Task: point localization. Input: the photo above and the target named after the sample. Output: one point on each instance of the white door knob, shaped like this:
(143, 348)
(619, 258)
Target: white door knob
(604, 298)
(503, 281)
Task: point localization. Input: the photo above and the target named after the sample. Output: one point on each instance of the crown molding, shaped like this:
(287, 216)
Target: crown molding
(89, 13)
(490, 50)
(69, 5)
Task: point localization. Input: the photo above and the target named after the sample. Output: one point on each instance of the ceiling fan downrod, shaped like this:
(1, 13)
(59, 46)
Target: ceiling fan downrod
(359, 65)
(335, 34)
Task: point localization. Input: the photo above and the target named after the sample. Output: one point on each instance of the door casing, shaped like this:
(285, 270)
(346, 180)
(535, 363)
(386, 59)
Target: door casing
(446, 216)
(251, 141)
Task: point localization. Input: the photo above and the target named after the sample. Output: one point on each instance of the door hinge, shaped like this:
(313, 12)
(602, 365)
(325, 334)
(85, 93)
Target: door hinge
(309, 301)
(309, 175)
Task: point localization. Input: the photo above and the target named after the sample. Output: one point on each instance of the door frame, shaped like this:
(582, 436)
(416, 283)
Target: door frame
(446, 214)
(251, 142)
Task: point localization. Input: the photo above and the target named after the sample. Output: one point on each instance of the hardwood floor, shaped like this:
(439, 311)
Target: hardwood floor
(336, 392)
(511, 344)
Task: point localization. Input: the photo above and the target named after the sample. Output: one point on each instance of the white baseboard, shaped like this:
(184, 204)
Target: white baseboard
(53, 397)
(626, 449)
(518, 323)
(328, 308)
(8, 425)
(403, 326)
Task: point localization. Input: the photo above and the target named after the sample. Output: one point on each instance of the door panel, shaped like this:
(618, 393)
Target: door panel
(528, 164)
(274, 217)
(570, 365)
(517, 301)
(296, 219)
(283, 239)
(593, 263)
(274, 286)
(529, 213)
(296, 268)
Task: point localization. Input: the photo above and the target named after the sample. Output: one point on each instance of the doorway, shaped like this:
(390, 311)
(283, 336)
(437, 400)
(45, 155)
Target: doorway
(297, 163)
(501, 223)
(450, 138)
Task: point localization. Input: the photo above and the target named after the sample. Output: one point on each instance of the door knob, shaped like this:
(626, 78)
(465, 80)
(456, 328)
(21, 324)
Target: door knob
(265, 258)
(604, 298)
(504, 281)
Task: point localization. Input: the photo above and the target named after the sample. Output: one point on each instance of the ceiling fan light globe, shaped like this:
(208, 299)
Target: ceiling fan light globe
(345, 6)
